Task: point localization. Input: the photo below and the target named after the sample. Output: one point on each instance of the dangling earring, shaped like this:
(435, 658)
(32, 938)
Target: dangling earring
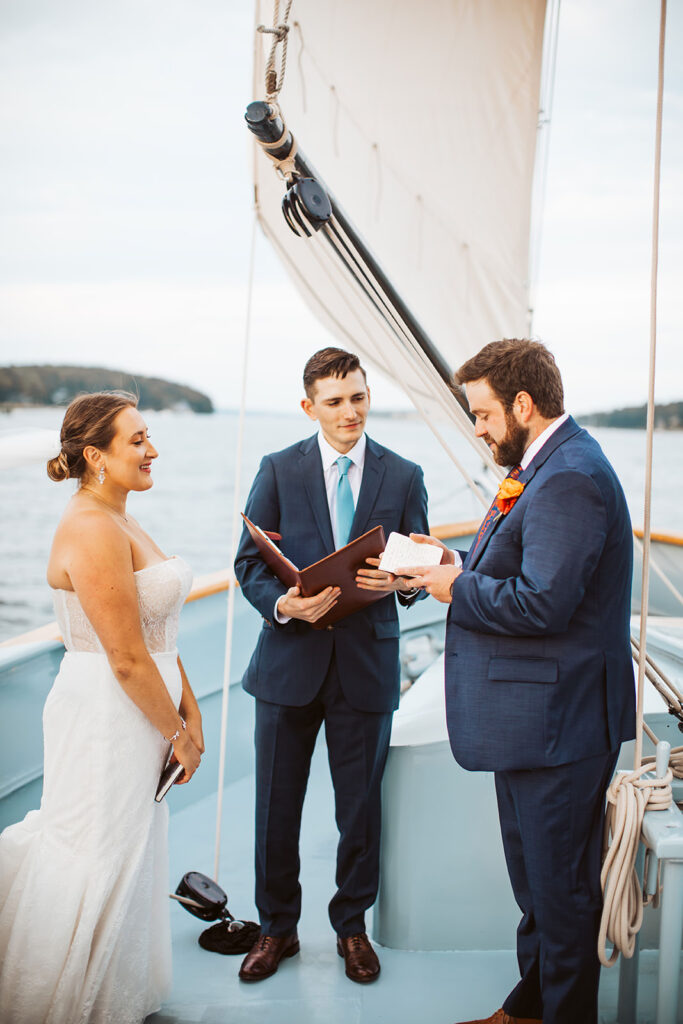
(100, 475)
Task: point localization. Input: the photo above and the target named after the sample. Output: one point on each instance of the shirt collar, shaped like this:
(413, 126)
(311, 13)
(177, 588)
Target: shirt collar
(330, 455)
(535, 446)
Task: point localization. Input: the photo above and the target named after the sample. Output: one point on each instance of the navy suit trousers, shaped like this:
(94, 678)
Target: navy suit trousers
(552, 823)
(357, 744)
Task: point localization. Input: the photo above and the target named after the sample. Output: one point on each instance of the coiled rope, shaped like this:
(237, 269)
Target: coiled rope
(632, 793)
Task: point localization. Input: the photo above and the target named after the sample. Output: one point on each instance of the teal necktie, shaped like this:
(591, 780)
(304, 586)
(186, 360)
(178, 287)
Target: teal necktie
(345, 506)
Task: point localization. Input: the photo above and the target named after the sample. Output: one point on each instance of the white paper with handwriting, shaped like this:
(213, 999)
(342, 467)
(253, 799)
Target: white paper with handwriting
(403, 553)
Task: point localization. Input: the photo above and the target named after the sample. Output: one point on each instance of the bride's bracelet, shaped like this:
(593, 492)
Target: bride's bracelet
(176, 734)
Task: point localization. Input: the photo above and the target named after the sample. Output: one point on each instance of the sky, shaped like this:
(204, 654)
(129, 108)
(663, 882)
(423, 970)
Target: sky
(126, 215)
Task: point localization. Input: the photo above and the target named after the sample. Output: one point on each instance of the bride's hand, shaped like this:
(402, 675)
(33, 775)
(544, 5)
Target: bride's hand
(193, 726)
(186, 752)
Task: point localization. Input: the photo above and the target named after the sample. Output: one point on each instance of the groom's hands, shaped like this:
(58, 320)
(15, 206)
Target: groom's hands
(437, 580)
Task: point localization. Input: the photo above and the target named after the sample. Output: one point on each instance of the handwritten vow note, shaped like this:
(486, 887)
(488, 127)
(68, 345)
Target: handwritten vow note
(402, 553)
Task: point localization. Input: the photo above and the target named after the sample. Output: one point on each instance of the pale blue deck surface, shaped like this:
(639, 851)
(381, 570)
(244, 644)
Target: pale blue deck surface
(414, 987)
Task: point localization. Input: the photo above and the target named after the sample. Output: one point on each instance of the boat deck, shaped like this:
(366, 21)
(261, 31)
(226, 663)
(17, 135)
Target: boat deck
(424, 987)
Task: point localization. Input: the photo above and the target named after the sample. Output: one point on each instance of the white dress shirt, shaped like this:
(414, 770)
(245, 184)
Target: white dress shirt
(535, 446)
(329, 456)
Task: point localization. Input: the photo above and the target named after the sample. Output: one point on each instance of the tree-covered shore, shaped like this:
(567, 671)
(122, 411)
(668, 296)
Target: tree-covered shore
(667, 417)
(57, 385)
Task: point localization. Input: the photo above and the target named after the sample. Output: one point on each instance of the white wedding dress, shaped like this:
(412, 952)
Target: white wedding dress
(84, 919)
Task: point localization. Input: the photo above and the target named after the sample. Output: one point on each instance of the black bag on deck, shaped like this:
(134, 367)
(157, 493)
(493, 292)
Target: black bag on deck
(204, 898)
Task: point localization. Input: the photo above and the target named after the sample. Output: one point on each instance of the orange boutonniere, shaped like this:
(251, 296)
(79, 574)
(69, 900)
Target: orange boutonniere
(507, 495)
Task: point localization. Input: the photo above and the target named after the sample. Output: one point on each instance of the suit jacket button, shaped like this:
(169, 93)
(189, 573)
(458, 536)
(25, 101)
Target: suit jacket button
(329, 627)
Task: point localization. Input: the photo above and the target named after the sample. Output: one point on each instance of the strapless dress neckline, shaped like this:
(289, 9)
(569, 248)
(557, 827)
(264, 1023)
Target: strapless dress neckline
(161, 591)
(136, 572)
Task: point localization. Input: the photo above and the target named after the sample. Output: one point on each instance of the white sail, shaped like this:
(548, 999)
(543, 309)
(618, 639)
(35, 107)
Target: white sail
(421, 119)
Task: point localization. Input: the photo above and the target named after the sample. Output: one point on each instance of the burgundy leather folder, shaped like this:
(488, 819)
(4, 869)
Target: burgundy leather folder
(336, 570)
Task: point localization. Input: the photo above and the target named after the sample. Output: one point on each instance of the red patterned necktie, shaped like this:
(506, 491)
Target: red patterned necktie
(491, 516)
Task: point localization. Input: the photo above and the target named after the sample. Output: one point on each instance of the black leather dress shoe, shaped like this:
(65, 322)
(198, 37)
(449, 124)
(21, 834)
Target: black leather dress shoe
(360, 958)
(263, 959)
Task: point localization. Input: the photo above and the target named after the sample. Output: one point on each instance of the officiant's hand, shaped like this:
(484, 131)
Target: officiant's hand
(437, 580)
(308, 609)
(378, 579)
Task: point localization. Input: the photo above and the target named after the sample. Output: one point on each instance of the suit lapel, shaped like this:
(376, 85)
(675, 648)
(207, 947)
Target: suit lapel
(568, 429)
(373, 474)
(314, 484)
(471, 562)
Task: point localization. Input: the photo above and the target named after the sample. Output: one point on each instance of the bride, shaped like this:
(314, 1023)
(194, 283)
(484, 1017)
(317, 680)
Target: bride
(84, 926)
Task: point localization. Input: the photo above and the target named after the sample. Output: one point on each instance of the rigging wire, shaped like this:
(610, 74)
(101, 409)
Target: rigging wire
(400, 334)
(232, 587)
(547, 94)
(645, 585)
(630, 794)
(673, 699)
(378, 306)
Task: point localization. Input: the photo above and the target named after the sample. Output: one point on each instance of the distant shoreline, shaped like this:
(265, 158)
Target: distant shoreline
(668, 416)
(56, 386)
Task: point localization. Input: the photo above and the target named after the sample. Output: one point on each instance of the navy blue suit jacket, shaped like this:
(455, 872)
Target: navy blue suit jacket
(288, 496)
(538, 656)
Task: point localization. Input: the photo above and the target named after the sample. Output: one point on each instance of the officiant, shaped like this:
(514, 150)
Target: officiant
(320, 494)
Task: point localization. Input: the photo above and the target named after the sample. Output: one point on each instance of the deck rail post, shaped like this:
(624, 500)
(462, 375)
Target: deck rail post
(627, 1002)
(671, 924)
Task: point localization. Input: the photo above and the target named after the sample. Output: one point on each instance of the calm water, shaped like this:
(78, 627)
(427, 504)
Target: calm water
(188, 511)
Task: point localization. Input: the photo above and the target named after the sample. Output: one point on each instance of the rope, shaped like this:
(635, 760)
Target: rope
(645, 585)
(675, 759)
(630, 794)
(233, 551)
(286, 166)
(280, 34)
(673, 698)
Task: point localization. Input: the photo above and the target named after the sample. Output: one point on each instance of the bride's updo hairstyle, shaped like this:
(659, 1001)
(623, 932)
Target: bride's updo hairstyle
(89, 420)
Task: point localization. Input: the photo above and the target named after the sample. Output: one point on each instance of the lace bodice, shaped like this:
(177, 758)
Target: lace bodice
(162, 589)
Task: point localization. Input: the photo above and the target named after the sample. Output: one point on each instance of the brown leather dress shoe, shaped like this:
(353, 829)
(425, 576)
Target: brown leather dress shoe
(263, 959)
(360, 958)
(501, 1017)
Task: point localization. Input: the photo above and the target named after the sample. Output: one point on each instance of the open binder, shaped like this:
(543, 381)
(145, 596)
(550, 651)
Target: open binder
(336, 570)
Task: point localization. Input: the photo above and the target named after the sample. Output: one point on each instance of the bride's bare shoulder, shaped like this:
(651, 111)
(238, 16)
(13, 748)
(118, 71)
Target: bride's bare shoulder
(86, 535)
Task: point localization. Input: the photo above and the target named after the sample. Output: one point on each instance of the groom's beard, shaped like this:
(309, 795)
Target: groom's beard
(510, 449)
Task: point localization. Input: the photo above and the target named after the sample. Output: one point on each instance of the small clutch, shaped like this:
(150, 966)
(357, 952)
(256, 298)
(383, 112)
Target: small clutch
(170, 774)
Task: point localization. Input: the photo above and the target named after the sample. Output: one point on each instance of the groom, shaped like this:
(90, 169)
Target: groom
(539, 679)
(319, 494)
